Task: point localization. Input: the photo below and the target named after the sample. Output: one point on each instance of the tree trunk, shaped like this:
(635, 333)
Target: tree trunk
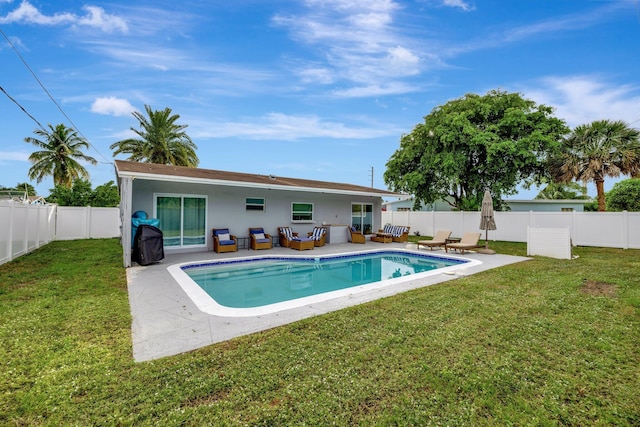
(600, 189)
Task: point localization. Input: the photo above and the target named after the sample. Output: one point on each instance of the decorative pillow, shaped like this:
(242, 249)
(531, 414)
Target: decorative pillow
(353, 228)
(224, 236)
(286, 231)
(258, 236)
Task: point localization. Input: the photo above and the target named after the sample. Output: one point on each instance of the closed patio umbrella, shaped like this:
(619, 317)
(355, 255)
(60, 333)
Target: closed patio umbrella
(487, 220)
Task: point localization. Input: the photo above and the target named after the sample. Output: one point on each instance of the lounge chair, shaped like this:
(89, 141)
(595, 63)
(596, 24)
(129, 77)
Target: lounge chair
(356, 236)
(438, 240)
(223, 241)
(468, 241)
(286, 236)
(319, 236)
(259, 239)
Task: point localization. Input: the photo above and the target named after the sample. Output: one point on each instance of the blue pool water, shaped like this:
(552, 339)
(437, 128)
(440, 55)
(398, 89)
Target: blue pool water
(259, 282)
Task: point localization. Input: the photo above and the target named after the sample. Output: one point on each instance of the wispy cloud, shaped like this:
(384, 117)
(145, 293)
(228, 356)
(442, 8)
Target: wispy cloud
(289, 128)
(112, 106)
(94, 17)
(14, 156)
(459, 4)
(582, 99)
(355, 41)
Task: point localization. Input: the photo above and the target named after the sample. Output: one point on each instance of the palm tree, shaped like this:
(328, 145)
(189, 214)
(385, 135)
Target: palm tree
(160, 141)
(61, 148)
(558, 191)
(598, 150)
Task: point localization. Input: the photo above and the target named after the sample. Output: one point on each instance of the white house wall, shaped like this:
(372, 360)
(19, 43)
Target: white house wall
(226, 206)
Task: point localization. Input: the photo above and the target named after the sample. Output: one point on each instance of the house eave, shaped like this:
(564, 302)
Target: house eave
(228, 183)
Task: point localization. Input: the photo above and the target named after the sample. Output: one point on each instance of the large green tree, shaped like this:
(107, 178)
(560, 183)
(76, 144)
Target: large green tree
(474, 143)
(161, 140)
(624, 196)
(59, 155)
(598, 150)
(81, 194)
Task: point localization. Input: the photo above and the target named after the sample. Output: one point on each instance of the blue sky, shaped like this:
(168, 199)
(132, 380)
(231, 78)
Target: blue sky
(316, 89)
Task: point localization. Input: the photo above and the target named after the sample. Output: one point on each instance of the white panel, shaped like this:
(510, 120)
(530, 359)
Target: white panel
(550, 242)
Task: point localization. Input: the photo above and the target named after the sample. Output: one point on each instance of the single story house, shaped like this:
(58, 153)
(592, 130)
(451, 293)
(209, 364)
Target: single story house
(189, 202)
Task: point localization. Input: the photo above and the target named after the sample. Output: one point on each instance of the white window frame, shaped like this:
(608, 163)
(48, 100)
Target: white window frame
(263, 204)
(182, 196)
(302, 221)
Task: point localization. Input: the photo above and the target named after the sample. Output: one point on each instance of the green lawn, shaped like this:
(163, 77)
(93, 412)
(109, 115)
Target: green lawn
(543, 342)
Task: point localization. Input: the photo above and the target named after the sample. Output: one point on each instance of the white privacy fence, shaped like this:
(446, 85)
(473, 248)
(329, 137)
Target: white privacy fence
(24, 228)
(603, 229)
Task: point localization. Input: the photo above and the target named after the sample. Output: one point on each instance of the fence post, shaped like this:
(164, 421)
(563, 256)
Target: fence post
(625, 230)
(10, 238)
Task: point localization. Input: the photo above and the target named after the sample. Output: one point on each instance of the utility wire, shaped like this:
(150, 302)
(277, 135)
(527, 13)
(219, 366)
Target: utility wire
(49, 95)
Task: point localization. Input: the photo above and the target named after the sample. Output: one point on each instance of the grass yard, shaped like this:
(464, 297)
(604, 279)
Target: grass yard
(543, 342)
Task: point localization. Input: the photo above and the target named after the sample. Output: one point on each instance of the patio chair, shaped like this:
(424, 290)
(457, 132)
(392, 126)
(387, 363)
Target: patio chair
(438, 240)
(286, 236)
(397, 233)
(319, 236)
(223, 241)
(258, 239)
(468, 241)
(356, 236)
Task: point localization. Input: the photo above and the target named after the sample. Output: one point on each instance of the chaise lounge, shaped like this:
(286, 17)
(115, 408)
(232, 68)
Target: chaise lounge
(259, 239)
(438, 241)
(223, 241)
(468, 241)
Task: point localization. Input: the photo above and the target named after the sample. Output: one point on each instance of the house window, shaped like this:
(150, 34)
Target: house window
(566, 209)
(254, 204)
(362, 217)
(301, 212)
(183, 219)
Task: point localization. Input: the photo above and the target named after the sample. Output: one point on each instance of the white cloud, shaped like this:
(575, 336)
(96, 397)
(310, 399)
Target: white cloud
(582, 99)
(356, 40)
(112, 106)
(285, 127)
(95, 18)
(458, 3)
(14, 156)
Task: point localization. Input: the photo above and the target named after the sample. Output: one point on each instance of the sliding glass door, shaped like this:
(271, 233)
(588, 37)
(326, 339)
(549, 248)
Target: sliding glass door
(362, 217)
(183, 219)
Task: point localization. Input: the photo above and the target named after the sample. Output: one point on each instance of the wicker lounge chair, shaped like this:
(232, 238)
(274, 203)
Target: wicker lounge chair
(468, 241)
(223, 241)
(286, 236)
(319, 236)
(259, 239)
(356, 236)
(438, 241)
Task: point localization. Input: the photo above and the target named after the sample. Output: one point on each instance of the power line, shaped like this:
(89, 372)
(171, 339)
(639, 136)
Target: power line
(49, 95)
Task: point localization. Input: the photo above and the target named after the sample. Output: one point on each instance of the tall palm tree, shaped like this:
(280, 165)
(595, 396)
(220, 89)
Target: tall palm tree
(598, 150)
(558, 191)
(61, 148)
(160, 141)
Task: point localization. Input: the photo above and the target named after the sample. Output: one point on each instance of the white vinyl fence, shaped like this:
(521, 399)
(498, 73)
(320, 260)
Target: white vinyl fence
(602, 229)
(24, 228)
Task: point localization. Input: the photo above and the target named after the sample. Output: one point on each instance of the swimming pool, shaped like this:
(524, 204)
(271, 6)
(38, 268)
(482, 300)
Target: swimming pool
(252, 286)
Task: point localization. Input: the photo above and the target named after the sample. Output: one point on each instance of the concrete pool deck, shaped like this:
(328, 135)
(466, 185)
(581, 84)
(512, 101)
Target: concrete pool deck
(166, 322)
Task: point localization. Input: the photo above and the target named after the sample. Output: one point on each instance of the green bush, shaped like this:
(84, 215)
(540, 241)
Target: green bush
(624, 196)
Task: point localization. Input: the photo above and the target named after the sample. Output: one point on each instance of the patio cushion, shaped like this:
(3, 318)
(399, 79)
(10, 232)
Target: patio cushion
(222, 231)
(286, 231)
(317, 233)
(227, 242)
(224, 237)
(263, 240)
(259, 236)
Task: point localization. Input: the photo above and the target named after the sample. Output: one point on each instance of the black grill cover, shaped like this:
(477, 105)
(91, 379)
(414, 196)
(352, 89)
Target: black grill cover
(147, 245)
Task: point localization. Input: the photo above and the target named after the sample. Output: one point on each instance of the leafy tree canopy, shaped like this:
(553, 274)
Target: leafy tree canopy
(161, 140)
(597, 150)
(624, 196)
(81, 194)
(474, 143)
